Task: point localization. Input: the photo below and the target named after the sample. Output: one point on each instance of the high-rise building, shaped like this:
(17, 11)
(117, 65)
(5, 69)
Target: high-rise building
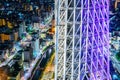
(82, 40)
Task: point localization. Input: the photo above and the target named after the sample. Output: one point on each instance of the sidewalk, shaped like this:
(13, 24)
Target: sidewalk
(48, 73)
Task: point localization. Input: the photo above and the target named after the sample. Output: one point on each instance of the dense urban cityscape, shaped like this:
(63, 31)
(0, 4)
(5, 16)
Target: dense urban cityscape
(59, 39)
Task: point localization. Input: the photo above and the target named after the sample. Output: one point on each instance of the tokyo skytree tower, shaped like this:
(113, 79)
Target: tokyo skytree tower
(82, 40)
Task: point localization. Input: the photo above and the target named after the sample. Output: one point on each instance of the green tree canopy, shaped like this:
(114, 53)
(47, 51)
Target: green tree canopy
(118, 56)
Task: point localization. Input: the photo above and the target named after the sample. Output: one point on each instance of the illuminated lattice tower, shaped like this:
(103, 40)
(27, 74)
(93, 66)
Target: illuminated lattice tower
(82, 40)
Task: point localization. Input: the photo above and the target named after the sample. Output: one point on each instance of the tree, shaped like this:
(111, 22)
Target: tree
(118, 56)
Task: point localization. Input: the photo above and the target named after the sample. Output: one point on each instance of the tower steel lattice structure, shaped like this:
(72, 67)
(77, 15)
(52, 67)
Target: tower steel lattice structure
(82, 40)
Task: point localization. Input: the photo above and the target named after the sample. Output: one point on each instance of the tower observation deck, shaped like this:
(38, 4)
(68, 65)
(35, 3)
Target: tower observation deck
(82, 40)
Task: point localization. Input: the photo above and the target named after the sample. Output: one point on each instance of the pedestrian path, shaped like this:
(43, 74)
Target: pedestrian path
(48, 73)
